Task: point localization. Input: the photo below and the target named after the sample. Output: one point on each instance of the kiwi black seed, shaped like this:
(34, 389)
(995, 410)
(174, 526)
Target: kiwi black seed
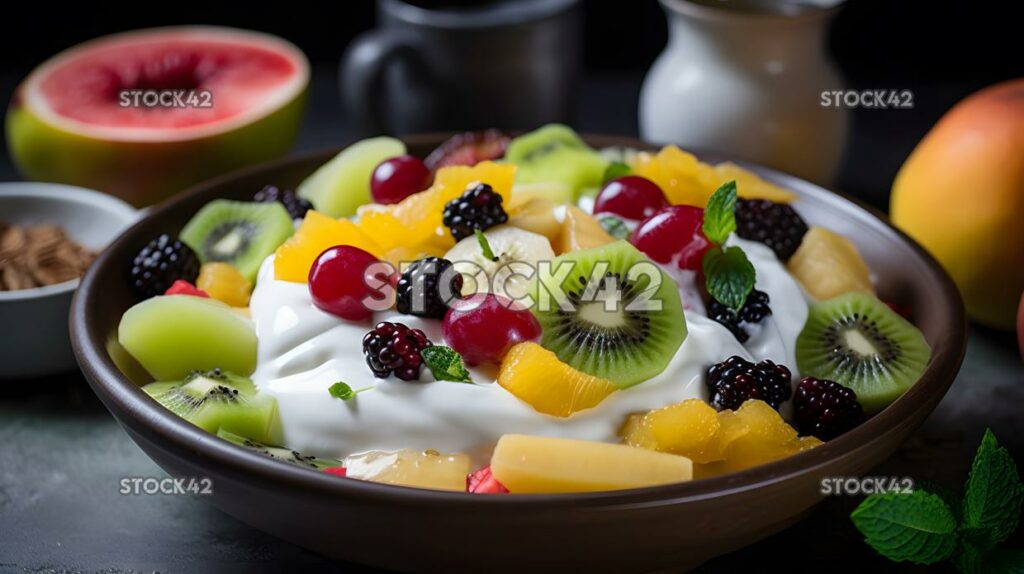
(280, 453)
(602, 320)
(214, 400)
(859, 342)
(238, 232)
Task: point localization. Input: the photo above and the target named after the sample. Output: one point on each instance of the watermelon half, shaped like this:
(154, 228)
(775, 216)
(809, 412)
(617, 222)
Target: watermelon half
(221, 98)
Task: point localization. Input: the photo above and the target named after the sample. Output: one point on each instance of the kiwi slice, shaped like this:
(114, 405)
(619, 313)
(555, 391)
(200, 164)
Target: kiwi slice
(216, 400)
(279, 453)
(555, 154)
(238, 232)
(859, 342)
(616, 315)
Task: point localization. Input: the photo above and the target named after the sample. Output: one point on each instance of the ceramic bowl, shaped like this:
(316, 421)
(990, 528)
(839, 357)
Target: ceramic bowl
(34, 322)
(409, 529)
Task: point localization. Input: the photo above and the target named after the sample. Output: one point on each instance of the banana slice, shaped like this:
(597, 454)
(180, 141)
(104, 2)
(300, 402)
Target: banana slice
(516, 254)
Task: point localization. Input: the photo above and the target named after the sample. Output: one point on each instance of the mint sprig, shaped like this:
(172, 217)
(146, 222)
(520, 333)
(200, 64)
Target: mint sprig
(485, 246)
(615, 170)
(720, 214)
(729, 276)
(445, 364)
(928, 527)
(345, 392)
(615, 226)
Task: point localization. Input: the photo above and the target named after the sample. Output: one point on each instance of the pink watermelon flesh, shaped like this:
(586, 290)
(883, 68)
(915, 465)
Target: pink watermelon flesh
(248, 75)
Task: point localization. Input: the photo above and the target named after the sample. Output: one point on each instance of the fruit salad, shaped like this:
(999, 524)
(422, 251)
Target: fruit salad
(517, 315)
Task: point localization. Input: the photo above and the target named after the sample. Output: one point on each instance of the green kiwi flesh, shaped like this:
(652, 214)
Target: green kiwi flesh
(859, 342)
(216, 400)
(616, 315)
(279, 453)
(555, 154)
(238, 232)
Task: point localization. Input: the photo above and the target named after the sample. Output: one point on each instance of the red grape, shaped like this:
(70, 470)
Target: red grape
(674, 234)
(399, 177)
(339, 282)
(632, 197)
(483, 329)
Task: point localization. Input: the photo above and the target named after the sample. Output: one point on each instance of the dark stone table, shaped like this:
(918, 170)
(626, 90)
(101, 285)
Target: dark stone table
(62, 456)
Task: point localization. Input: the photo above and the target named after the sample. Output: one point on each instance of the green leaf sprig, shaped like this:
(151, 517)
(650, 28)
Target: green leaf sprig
(485, 246)
(345, 392)
(615, 170)
(445, 364)
(728, 273)
(927, 527)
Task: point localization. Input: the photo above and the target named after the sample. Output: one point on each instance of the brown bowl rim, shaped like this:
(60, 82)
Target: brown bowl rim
(142, 415)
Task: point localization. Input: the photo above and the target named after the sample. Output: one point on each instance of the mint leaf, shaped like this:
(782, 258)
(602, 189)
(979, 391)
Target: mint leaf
(616, 169)
(969, 560)
(614, 226)
(485, 246)
(720, 213)
(992, 497)
(917, 527)
(445, 364)
(729, 276)
(344, 392)
(952, 499)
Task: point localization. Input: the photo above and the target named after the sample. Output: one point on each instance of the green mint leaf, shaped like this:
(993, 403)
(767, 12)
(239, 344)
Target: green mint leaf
(952, 499)
(968, 559)
(729, 276)
(916, 527)
(485, 246)
(992, 497)
(720, 213)
(614, 226)
(445, 364)
(344, 392)
(616, 169)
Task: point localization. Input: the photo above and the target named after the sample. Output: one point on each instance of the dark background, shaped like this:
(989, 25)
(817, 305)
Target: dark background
(61, 454)
(942, 51)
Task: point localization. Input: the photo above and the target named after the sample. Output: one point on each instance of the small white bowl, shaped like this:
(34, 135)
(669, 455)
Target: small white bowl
(34, 322)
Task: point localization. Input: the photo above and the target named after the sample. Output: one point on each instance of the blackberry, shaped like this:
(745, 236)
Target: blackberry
(160, 263)
(395, 348)
(478, 208)
(777, 225)
(735, 380)
(754, 310)
(825, 409)
(295, 205)
(418, 291)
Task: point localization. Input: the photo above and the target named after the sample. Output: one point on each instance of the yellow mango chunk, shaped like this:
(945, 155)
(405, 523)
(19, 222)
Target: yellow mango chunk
(828, 265)
(225, 283)
(537, 377)
(535, 214)
(580, 231)
(317, 232)
(422, 469)
(690, 428)
(533, 464)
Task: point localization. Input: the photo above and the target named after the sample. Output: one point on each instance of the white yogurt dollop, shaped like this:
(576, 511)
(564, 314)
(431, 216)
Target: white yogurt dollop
(303, 351)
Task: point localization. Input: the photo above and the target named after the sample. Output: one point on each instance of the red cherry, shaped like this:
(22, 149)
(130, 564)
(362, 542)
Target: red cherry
(483, 329)
(673, 234)
(399, 177)
(483, 482)
(632, 197)
(340, 280)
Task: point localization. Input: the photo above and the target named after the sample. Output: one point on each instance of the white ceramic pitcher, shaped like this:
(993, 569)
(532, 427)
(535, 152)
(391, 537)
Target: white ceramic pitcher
(745, 77)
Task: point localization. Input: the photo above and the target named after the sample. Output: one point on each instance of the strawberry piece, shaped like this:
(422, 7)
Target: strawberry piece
(182, 287)
(483, 482)
(468, 148)
(336, 470)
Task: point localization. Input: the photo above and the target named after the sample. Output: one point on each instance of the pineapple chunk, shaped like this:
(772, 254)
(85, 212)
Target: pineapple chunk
(690, 428)
(533, 464)
(537, 377)
(422, 469)
(828, 265)
(580, 231)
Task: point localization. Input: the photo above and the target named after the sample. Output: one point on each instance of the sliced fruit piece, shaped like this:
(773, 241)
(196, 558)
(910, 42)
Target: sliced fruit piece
(580, 231)
(182, 287)
(509, 273)
(537, 215)
(483, 482)
(766, 437)
(282, 454)
(689, 428)
(336, 471)
(483, 331)
(238, 232)
(421, 469)
(171, 336)
(534, 464)
(469, 148)
(555, 154)
(610, 312)
(828, 265)
(342, 184)
(295, 257)
(225, 283)
(555, 192)
(215, 399)
(859, 342)
(536, 376)
(752, 186)
(81, 117)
